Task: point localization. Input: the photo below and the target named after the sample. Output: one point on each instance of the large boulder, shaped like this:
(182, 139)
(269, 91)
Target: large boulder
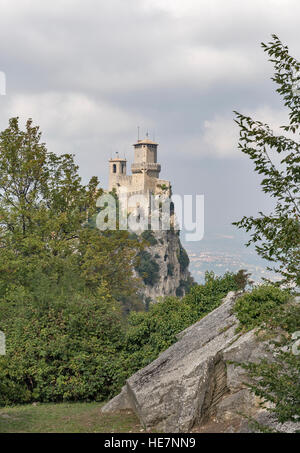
(194, 383)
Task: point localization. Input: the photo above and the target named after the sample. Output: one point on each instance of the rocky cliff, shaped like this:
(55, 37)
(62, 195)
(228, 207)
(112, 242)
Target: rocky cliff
(194, 384)
(163, 266)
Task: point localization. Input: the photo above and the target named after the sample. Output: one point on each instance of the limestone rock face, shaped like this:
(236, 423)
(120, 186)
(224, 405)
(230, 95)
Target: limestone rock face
(192, 385)
(174, 276)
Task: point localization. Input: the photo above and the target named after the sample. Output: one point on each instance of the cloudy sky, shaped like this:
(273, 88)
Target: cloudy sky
(90, 71)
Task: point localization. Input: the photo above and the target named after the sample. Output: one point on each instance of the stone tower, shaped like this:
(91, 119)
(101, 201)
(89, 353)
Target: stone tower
(117, 171)
(145, 158)
(145, 171)
(165, 252)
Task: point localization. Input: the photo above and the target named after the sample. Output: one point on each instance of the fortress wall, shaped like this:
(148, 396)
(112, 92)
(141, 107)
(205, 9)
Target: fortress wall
(123, 180)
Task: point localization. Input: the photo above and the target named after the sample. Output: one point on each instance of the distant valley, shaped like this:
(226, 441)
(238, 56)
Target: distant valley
(222, 253)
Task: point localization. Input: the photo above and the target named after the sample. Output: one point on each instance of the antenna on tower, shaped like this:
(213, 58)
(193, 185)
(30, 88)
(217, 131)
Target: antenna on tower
(138, 128)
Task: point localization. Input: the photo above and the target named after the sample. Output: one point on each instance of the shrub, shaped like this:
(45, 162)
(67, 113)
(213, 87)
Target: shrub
(255, 308)
(278, 381)
(147, 268)
(170, 269)
(185, 286)
(64, 352)
(151, 332)
(242, 279)
(208, 296)
(183, 259)
(148, 236)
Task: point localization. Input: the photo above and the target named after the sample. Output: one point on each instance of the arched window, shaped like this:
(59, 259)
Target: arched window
(114, 168)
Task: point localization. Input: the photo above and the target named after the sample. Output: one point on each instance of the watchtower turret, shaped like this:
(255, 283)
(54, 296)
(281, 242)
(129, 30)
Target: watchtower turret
(117, 170)
(145, 171)
(145, 158)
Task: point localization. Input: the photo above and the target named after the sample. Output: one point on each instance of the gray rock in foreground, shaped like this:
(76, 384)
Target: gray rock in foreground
(192, 383)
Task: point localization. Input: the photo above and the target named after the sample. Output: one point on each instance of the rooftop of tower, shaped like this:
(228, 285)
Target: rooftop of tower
(118, 159)
(145, 141)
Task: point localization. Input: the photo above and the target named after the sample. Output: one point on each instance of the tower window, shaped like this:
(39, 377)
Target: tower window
(114, 168)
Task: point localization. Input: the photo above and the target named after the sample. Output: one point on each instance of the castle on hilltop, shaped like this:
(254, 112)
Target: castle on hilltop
(163, 266)
(145, 172)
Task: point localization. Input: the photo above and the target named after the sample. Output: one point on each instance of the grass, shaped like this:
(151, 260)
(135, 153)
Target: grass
(66, 418)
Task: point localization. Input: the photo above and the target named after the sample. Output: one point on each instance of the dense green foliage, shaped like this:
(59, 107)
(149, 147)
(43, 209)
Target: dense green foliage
(277, 238)
(147, 267)
(79, 348)
(43, 213)
(277, 158)
(64, 352)
(148, 236)
(170, 269)
(242, 279)
(61, 283)
(276, 381)
(183, 259)
(65, 287)
(185, 286)
(254, 308)
(150, 333)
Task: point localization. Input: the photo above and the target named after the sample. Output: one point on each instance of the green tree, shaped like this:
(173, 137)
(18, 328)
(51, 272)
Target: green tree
(276, 237)
(242, 278)
(147, 268)
(275, 381)
(277, 157)
(255, 308)
(62, 283)
(66, 351)
(44, 208)
(183, 259)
